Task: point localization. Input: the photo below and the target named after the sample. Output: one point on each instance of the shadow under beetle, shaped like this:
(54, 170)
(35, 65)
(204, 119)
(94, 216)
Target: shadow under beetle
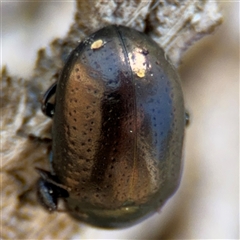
(118, 127)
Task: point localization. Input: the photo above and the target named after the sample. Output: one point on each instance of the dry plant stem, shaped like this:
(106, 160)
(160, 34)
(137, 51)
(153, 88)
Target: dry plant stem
(174, 25)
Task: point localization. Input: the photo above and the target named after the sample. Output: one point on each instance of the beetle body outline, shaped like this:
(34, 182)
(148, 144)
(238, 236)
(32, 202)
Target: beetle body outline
(118, 127)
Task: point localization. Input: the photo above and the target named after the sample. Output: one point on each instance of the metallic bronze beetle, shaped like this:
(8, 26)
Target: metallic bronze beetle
(118, 127)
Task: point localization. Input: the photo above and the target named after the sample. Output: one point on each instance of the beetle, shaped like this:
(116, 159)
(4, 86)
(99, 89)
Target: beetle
(118, 128)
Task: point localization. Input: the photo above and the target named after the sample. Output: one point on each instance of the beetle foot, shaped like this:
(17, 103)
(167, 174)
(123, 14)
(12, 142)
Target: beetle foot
(48, 194)
(48, 109)
(49, 190)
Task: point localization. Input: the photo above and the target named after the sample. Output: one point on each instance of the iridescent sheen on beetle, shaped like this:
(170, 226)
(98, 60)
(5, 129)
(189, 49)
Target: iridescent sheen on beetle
(118, 127)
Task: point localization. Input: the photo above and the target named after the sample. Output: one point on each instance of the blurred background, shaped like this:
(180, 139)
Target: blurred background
(206, 206)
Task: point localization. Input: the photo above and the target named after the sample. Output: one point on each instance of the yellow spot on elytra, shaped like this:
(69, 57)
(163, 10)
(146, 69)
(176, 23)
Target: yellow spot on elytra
(140, 72)
(97, 44)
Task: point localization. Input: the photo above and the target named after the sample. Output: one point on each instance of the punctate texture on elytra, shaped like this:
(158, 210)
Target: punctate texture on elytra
(118, 128)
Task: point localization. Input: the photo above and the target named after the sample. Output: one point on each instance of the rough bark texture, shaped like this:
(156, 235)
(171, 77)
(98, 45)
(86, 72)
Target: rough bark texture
(25, 131)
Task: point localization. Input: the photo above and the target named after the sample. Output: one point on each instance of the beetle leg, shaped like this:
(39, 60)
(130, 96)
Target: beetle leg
(187, 118)
(48, 177)
(48, 191)
(47, 107)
